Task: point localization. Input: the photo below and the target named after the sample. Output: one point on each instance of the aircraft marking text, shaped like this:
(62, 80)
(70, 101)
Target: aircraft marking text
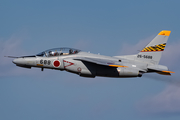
(48, 62)
(144, 56)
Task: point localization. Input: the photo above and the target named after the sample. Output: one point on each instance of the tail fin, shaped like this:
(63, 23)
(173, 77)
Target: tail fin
(153, 51)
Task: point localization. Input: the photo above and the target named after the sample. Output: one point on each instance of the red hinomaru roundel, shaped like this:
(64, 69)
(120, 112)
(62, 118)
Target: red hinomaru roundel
(56, 63)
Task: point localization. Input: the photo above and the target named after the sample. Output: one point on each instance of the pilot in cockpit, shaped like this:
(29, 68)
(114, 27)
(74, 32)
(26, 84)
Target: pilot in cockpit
(70, 51)
(50, 53)
(56, 53)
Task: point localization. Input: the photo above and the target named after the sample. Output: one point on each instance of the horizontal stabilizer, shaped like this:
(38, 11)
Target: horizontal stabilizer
(165, 72)
(160, 69)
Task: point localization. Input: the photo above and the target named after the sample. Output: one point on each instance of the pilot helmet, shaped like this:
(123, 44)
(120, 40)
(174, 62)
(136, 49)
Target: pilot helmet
(51, 53)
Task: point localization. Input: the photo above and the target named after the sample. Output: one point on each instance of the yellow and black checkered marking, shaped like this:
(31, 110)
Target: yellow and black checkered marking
(155, 48)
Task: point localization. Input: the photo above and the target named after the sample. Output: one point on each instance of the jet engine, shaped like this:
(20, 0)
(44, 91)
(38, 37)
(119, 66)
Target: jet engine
(129, 72)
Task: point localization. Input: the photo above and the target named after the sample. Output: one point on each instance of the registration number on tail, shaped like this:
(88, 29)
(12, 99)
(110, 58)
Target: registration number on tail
(144, 56)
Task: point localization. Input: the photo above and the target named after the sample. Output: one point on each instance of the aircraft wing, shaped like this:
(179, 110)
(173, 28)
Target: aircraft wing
(98, 61)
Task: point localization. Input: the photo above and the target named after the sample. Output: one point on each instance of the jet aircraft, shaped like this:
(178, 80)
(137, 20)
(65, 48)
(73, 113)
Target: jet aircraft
(91, 65)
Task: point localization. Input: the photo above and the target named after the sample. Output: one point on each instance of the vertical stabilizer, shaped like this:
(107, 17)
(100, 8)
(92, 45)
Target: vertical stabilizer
(153, 51)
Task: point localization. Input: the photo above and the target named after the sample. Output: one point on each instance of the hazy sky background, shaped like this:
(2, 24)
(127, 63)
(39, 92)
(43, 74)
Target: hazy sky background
(111, 28)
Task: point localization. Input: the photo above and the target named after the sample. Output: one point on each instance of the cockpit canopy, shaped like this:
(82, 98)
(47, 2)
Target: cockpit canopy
(58, 52)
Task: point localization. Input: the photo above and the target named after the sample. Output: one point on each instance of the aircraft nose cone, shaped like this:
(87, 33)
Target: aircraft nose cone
(17, 61)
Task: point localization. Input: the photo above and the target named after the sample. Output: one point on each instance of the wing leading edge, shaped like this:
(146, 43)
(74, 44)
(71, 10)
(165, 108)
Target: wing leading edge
(98, 61)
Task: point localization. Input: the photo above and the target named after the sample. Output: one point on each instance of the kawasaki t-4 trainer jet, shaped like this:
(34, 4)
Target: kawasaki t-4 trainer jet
(91, 65)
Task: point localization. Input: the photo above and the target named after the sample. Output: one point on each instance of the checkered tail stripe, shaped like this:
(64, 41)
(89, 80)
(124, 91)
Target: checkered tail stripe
(155, 48)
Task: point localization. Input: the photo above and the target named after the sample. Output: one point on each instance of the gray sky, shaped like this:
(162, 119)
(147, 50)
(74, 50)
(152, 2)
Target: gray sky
(99, 26)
